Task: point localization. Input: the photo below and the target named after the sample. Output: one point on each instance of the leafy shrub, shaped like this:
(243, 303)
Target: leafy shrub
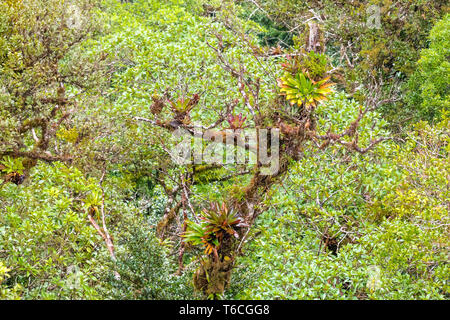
(429, 92)
(361, 227)
(45, 237)
(145, 269)
(5, 292)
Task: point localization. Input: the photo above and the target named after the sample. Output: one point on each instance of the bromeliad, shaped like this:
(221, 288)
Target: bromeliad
(217, 224)
(303, 91)
(236, 122)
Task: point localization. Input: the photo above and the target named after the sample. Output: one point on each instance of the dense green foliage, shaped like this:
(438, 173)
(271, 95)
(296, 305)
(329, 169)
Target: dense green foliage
(45, 238)
(92, 207)
(429, 90)
(145, 269)
(374, 43)
(389, 214)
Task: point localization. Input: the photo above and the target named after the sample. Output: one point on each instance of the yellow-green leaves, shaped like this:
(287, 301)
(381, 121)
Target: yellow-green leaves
(11, 165)
(303, 91)
(93, 201)
(5, 292)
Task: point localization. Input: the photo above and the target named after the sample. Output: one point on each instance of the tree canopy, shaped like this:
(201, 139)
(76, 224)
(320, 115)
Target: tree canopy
(202, 149)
